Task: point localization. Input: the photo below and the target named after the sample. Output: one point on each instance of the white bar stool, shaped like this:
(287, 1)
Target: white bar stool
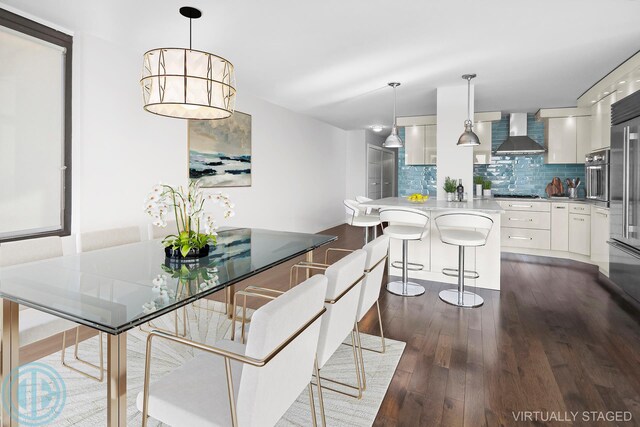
(357, 217)
(405, 224)
(463, 229)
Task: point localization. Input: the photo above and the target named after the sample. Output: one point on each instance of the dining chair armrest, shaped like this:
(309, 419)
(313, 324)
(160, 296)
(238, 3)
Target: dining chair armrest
(245, 293)
(305, 265)
(326, 253)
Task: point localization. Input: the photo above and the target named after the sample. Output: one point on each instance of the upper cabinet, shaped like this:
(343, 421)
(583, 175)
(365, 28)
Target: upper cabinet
(420, 138)
(601, 123)
(567, 134)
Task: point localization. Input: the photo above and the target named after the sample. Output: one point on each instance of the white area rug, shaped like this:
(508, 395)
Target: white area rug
(86, 399)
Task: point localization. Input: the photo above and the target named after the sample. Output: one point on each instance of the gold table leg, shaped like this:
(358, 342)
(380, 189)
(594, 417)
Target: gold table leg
(309, 258)
(9, 347)
(117, 377)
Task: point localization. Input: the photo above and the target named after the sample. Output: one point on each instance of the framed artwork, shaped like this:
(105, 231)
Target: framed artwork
(220, 151)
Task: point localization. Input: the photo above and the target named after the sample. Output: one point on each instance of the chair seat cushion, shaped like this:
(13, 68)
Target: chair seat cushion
(462, 237)
(404, 232)
(36, 325)
(202, 383)
(366, 221)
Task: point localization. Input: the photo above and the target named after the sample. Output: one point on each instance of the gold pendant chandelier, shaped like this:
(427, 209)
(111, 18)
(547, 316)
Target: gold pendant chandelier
(186, 83)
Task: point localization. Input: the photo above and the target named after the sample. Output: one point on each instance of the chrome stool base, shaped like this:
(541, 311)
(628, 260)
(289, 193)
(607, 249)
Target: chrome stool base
(464, 299)
(411, 290)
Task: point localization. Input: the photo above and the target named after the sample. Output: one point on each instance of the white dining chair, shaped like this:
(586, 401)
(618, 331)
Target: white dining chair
(377, 252)
(93, 240)
(35, 325)
(356, 216)
(88, 242)
(261, 379)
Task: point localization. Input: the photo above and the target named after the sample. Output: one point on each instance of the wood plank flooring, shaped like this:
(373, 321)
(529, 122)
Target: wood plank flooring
(557, 338)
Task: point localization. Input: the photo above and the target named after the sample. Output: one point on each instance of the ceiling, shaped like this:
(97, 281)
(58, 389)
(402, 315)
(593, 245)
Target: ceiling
(332, 59)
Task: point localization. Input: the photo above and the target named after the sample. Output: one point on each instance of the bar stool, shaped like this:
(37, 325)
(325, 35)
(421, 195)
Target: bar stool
(405, 224)
(463, 229)
(357, 217)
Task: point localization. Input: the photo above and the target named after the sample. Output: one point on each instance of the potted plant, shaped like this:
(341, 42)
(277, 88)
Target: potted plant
(478, 181)
(450, 188)
(196, 228)
(486, 188)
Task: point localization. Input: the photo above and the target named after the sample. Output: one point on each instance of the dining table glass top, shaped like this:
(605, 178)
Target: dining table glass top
(118, 288)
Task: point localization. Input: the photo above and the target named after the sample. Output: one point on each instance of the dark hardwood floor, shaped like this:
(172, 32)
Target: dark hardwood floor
(557, 338)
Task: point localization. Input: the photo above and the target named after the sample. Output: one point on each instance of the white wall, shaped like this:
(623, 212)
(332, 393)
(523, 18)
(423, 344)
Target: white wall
(453, 161)
(121, 151)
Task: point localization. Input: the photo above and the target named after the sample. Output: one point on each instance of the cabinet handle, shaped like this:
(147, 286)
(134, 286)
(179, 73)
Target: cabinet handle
(521, 219)
(521, 206)
(520, 238)
(560, 207)
(578, 219)
(603, 214)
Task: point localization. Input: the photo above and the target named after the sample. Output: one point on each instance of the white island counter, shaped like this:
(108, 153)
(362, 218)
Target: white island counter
(435, 255)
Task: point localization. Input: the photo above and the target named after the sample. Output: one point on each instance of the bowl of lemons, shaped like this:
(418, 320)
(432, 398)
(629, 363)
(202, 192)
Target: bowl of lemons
(418, 198)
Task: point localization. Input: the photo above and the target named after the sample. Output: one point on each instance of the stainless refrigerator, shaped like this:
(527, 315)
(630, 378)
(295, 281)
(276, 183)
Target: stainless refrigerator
(624, 254)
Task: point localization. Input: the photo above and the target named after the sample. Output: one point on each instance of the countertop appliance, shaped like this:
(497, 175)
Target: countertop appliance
(624, 254)
(596, 171)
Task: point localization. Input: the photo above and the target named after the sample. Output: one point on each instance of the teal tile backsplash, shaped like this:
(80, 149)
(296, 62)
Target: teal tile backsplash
(508, 174)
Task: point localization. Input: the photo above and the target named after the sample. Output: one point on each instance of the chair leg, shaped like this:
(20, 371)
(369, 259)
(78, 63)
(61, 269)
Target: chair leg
(99, 367)
(366, 235)
(320, 399)
(405, 288)
(359, 344)
(384, 346)
(459, 297)
(312, 406)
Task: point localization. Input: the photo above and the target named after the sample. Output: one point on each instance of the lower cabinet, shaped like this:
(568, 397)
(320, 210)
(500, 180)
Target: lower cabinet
(560, 226)
(599, 237)
(580, 234)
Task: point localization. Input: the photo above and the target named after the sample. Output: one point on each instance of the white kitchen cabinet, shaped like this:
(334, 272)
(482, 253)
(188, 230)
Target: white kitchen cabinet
(599, 237)
(601, 122)
(559, 227)
(560, 140)
(482, 152)
(583, 137)
(580, 234)
(420, 144)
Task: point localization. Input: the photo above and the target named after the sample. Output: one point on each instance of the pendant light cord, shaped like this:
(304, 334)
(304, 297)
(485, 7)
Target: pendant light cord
(394, 106)
(469, 99)
(190, 21)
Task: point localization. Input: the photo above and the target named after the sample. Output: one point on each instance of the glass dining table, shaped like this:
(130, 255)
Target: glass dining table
(116, 289)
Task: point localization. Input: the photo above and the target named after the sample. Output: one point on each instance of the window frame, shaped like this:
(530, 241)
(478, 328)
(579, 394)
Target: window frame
(34, 29)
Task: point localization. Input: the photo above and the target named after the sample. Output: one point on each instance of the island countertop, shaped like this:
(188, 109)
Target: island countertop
(489, 206)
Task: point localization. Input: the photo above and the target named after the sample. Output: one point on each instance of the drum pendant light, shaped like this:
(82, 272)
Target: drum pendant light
(186, 83)
(393, 140)
(468, 138)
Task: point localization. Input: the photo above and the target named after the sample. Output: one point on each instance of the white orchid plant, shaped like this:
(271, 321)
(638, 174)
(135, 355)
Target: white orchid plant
(196, 227)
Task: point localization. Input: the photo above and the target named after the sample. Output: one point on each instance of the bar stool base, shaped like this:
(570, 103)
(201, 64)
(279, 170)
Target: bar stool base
(468, 300)
(397, 288)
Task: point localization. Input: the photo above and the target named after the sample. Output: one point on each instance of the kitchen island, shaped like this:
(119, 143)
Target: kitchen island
(435, 255)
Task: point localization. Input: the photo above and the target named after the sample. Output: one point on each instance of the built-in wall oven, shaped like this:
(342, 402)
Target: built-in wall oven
(596, 171)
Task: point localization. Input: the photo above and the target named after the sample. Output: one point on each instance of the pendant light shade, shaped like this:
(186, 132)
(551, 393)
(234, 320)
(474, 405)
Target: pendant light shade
(468, 137)
(188, 84)
(393, 140)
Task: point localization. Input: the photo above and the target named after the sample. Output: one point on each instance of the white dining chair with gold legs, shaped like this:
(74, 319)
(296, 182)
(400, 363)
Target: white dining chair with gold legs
(463, 229)
(35, 325)
(377, 251)
(405, 225)
(261, 379)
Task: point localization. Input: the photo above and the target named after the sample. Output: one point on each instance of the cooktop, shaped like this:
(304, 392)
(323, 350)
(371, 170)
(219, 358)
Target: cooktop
(517, 196)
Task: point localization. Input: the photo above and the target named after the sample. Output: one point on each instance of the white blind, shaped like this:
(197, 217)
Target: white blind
(31, 135)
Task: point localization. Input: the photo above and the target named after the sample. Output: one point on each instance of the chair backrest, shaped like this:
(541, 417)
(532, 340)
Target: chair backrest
(340, 317)
(465, 220)
(376, 252)
(156, 232)
(352, 209)
(21, 251)
(404, 216)
(266, 393)
(94, 240)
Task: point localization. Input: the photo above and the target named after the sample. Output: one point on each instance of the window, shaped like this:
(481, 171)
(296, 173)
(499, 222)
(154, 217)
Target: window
(35, 129)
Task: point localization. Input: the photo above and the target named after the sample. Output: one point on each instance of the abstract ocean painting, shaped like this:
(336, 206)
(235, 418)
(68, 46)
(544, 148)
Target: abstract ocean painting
(220, 151)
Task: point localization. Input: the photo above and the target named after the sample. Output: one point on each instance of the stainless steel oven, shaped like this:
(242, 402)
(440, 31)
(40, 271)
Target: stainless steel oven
(596, 170)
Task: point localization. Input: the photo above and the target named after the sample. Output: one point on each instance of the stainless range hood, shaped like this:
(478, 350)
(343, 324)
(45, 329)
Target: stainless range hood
(518, 142)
